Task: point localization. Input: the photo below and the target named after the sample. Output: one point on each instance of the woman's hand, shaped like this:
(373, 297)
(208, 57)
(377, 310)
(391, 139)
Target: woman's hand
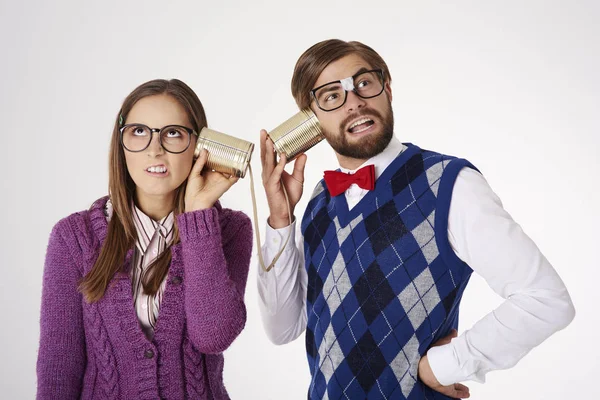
(204, 188)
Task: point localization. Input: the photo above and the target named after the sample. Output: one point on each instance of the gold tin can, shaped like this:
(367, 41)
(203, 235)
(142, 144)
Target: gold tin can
(297, 134)
(226, 154)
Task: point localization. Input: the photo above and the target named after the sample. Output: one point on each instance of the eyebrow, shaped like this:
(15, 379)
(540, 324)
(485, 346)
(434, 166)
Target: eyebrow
(360, 71)
(331, 87)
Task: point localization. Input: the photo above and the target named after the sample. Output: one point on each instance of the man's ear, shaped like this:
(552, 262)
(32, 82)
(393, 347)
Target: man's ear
(388, 89)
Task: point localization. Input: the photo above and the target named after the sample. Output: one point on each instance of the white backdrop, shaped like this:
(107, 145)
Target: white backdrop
(513, 86)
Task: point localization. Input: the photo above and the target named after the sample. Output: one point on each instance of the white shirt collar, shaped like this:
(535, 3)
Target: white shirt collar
(382, 160)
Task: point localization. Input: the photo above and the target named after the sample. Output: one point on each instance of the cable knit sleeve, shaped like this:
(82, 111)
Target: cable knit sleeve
(61, 358)
(217, 247)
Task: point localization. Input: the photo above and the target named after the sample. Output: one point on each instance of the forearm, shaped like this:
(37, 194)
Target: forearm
(215, 277)
(282, 290)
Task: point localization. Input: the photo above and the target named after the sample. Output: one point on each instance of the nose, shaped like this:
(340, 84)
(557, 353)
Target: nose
(155, 148)
(354, 102)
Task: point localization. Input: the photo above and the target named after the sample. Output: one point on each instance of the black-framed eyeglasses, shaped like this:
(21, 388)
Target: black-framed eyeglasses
(173, 138)
(333, 95)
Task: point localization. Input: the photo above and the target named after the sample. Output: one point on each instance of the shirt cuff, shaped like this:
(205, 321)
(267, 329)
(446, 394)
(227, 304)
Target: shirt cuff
(274, 240)
(444, 364)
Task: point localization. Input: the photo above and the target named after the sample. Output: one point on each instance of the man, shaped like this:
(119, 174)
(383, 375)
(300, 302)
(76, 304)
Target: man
(387, 247)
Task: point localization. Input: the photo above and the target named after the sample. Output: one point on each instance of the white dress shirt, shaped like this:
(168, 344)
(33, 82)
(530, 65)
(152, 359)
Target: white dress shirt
(484, 236)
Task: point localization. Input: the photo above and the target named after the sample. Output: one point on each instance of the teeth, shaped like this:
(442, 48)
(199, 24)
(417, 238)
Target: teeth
(160, 170)
(360, 121)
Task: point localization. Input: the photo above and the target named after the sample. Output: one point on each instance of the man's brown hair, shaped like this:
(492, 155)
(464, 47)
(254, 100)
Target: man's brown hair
(313, 61)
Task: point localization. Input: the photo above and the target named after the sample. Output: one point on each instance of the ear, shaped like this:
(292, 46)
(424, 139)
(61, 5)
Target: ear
(314, 108)
(388, 89)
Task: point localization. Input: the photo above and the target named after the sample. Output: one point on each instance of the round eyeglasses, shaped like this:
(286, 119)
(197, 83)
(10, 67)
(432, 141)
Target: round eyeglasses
(333, 95)
(173, 138)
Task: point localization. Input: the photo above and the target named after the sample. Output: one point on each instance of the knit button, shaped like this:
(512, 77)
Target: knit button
(176, 280)
(144, 306)
(148, 354)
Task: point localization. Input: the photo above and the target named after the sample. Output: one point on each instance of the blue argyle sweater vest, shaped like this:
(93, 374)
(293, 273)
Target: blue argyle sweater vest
(383, 281)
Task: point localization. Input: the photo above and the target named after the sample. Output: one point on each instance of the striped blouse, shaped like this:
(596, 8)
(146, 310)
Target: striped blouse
(153, 237)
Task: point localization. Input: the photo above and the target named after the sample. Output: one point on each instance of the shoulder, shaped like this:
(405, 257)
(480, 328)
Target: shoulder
(78, 231)
(436, 164)
(320, 188)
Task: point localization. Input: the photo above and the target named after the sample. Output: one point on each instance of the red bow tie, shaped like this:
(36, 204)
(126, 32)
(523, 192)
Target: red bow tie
(338, 182)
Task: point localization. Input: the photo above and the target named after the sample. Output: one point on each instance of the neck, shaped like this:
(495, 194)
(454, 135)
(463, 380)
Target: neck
(155, 206)
(349, 162)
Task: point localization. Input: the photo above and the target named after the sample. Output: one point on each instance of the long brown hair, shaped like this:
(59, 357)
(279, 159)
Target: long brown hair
(121, 229)
(313, 61)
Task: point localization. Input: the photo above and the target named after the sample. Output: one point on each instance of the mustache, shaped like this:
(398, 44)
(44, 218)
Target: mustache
(364, 113)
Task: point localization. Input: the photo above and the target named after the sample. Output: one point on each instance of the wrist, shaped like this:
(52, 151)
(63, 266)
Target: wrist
(278, 222)
(426, 373)
(197, 206)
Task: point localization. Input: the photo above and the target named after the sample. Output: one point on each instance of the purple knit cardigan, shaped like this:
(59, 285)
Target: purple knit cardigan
(99, 351)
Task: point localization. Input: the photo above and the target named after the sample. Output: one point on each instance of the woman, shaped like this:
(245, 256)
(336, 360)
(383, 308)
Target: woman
(145, 290)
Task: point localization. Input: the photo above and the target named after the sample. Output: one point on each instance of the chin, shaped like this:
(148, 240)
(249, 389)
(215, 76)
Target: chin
(362, 138)
(156, 190)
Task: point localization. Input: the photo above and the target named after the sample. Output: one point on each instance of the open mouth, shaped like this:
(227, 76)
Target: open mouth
(361, 125)
(158, 170)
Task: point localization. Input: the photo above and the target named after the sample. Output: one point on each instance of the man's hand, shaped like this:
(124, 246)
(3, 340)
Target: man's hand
(274, 178)
(426, 375)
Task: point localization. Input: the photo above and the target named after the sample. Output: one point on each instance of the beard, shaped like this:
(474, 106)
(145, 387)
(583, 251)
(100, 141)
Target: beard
(369, 146)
